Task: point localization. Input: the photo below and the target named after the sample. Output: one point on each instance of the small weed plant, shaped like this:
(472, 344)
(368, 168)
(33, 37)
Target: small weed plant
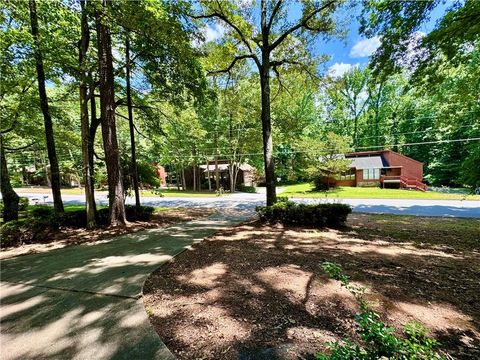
(220, 191)
(378, 340)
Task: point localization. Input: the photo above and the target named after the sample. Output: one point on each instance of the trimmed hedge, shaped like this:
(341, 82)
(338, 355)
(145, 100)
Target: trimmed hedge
(316, 215)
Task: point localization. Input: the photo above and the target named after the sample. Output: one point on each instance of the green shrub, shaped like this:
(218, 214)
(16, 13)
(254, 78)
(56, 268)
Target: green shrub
(75, 218)
(23, 204)
(247, 189)
(317, 215)
(144, 213)
(42, 212)
(378, 340)
(26, 231)
(323, 183)
(10, 232)
(78, 218)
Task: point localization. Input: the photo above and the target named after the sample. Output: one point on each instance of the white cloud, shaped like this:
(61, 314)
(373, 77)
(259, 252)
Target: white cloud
(213, 32)
(365, 48)
(338, 69)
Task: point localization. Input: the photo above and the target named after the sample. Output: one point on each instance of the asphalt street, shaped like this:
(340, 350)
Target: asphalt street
(246, 201)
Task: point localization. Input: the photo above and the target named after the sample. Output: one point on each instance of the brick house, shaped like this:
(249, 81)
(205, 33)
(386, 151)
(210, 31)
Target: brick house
(245, 175)
(384, 168)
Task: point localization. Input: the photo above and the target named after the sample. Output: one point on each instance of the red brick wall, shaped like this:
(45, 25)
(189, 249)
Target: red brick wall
(410, 168)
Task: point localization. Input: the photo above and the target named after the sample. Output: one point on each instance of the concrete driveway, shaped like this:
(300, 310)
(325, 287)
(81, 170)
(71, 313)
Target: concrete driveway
(84, 302)
(245, 201)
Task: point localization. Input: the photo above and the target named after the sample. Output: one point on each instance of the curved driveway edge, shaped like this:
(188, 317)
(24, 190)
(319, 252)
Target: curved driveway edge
(84, 302)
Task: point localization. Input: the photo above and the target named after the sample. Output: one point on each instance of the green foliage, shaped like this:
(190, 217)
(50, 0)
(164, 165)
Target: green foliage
(247, 189)
(42, 212)
(378, 340)
(42, 220)
(23, 203)
(316, 215)
(323, 160)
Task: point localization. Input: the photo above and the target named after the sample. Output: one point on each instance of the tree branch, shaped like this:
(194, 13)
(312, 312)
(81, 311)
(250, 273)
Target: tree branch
(19, 148)
(303, 23)
(223, 17)
(232, 64)
(274, 13)
(11, 128)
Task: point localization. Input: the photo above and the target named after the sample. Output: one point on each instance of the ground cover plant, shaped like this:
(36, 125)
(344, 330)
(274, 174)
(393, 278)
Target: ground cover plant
(307, 190)
(379, 339)
(259, 290)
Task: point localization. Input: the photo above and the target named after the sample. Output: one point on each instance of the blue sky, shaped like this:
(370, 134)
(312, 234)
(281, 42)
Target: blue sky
(354, 50)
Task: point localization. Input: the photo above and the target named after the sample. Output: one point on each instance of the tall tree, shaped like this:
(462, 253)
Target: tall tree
(87, 171)
(50, 140)
(269, 46)
(134, 170)
(107, 107)
(9, 196)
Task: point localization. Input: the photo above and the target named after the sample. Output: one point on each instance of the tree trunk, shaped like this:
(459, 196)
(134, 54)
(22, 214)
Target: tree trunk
(194, 169)
(177, 177)
(130, 122)
(9, 196)
(50, 140)
(109, 131)
(184, 182)
(94, 123)
(264, 72)
(87, 172)
(208, 175)
(267, 133)
(217, 177)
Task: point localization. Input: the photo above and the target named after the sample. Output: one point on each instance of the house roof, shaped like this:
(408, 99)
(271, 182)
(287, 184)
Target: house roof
(224, 167)
(368, 162)
(211, 167)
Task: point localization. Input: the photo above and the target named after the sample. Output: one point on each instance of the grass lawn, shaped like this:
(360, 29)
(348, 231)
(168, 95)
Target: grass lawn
(180, 193)
(79, 191)
(305, 190)
(259, 291)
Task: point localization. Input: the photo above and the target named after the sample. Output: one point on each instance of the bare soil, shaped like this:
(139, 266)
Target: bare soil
(258, 291)
(66, 236)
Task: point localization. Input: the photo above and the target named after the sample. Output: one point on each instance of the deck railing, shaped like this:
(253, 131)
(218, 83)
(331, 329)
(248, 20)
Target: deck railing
(405, 182)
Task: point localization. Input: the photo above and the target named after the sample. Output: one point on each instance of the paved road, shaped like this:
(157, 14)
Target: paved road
(244, 201)
(84, 302)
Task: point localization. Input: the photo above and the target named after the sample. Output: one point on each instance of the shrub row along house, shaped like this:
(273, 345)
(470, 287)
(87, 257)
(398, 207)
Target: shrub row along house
(384, 168)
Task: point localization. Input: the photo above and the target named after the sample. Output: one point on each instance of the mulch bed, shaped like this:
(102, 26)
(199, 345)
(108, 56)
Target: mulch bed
(258, 291)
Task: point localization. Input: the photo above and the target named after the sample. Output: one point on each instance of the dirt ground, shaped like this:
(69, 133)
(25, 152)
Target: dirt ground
(258, 291)
(72, 236)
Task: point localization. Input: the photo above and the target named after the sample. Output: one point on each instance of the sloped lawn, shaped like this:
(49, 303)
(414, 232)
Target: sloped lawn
(259, 292)
(306, 190)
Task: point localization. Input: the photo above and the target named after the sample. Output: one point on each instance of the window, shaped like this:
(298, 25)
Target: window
(371, 174)
(346, 175)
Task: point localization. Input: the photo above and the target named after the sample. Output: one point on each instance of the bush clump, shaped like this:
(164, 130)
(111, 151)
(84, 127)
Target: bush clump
(78, 218)
(379, 341)
(42, 220)
(316, 215)
(247, 189)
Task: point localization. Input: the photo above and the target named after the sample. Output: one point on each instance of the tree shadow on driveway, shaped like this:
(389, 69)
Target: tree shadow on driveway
(84, 301)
